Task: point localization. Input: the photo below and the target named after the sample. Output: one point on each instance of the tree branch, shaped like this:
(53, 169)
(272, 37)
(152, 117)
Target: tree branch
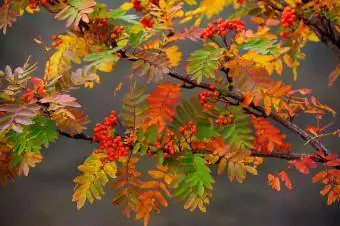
(239, 97)
(79, 136)
(276, 155)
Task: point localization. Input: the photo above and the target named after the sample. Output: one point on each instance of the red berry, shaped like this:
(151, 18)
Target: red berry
(104, 21)
(54, 37)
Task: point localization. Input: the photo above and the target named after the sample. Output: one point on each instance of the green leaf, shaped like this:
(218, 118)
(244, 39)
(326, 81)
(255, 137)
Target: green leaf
(34, 136)
(205, 131)
(119, 14)
(134, 105)
(160, 158)
(151, 134)
(237, 135)
(203, 63)
(261, 45)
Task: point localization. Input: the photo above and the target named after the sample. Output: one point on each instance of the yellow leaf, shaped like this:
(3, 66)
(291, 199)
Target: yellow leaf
(251, 170)
(288, 60)
(214, 7)
(313, 37)
(105, 66)
(221, 166)
(201, 206)
(126, 6)
(231, 171)
(168, 179)
(278, 66)
(291, 3)
(257, 58)
(267, 105)
(72, 49)
(269, 68)
(174, 55)
(191, 2)
(240, 172)
(111, 169)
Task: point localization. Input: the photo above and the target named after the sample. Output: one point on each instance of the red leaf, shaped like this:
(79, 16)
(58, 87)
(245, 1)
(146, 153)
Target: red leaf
(333, 162)
(301, 167)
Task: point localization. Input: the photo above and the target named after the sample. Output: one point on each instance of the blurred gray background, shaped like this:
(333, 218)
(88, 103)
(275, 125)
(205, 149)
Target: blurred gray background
(44, 198)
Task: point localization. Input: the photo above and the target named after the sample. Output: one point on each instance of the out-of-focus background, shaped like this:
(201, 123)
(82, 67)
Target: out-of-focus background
(44, 198)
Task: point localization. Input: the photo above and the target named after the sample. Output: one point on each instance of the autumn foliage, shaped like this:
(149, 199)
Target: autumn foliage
(233, 123)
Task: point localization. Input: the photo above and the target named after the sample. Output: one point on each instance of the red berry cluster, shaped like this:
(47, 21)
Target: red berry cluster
(225, 119)
(288, 17)
(117, 31)
(99, 22)
(188, 129)
(168, 146)
(30, 94)
(206, 98)
(33, 4)
(137, 5)
(5, 159)
(56, 41)
(147, 21)
(240, 1)
(221, 27)
(38, 90)
(103, 134)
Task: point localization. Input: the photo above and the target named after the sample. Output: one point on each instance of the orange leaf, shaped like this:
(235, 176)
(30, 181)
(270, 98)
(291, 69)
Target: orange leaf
(274, 182)
(161, 199)
(319, 176)
(150, 184)
(164, 189)
(267, 136)
(284, 177)
(332, 197)
(333, 162)
(156, 174)
(301, 167)
(162, 103)
(326, 189)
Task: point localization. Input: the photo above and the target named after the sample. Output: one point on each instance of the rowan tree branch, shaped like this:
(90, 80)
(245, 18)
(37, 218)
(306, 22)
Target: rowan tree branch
(252, 109)
(79, 136)
(276, 155)
(239, 98)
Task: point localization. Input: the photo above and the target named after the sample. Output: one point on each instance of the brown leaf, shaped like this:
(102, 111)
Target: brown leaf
(334, 75)
(30, 160)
